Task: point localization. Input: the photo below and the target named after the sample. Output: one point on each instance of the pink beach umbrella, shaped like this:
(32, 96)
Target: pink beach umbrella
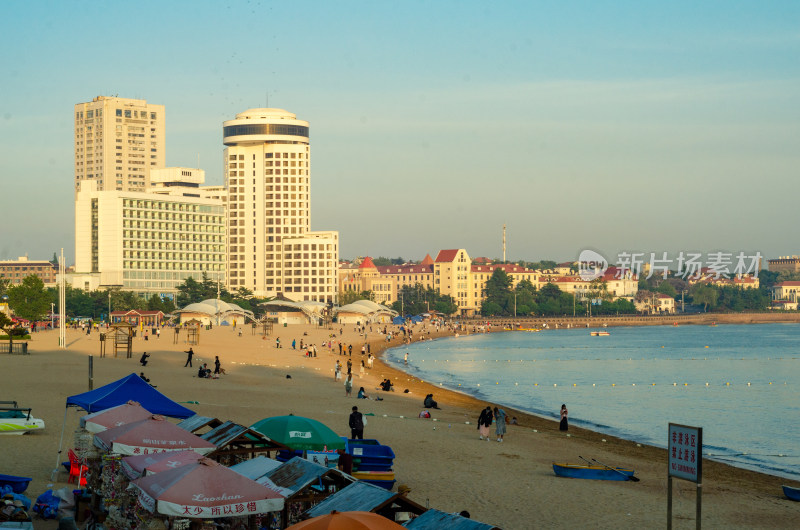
(205, 490)
(114, 417)
(153, 435)
(139, 465)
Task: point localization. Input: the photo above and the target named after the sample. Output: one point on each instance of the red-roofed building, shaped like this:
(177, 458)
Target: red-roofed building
(786, 291)
(452, 273)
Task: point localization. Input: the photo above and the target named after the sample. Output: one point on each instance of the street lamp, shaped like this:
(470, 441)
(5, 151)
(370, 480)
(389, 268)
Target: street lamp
(52, 310)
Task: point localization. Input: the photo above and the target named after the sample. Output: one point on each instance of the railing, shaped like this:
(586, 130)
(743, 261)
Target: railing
(20, 348)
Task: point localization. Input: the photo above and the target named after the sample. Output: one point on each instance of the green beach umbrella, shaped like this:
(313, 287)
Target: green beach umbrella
(297, 432)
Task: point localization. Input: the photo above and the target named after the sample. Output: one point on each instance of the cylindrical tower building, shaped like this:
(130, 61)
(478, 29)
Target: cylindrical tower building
(268, 181)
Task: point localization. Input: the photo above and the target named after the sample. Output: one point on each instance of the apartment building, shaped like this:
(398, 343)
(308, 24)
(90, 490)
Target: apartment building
(117, 142)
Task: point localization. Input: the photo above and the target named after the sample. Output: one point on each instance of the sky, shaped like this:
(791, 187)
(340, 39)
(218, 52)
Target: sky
(612, 126)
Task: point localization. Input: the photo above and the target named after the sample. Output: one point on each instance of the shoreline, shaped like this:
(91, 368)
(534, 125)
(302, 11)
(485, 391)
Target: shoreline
(693, 319)
(476, 400)
(542, 423)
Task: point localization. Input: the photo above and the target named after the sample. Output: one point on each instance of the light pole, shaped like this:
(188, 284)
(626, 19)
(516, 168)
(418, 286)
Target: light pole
(52, 310)
(109, 306)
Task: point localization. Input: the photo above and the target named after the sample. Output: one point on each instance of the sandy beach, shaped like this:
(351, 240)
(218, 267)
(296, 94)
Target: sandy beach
(509, 484)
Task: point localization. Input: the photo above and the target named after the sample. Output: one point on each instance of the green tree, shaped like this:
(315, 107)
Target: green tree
(667, 289)
(6, 326)
(498, 293)
(348, 297)
(705, 295)
(29, 300)
(5, 283)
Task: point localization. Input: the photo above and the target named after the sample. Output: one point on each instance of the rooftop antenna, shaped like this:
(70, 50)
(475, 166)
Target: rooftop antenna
(504, 242)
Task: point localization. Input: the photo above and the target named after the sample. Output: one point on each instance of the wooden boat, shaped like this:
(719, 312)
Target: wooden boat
(15, 420)
(792, 493)
(591, 472)
(18, 484)
(599, 333)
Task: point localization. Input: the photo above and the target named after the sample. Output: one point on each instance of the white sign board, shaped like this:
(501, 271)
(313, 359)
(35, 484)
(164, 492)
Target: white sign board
(685, 453)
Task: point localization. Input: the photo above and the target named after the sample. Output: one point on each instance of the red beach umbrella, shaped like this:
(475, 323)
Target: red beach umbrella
(115, 417)
(139, 465)
(205, 490)
(347, 521)
(153, 435)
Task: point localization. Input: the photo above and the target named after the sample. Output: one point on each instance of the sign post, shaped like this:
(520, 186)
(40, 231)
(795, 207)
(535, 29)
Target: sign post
(685, 461)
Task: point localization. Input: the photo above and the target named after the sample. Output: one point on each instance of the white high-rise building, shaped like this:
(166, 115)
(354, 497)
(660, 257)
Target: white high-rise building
(271, 250)
(147, 242)
(117, 142)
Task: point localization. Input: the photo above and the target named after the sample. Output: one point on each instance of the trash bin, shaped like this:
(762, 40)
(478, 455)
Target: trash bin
(284, 324)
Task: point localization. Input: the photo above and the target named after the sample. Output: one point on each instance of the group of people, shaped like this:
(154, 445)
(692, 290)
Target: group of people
(485, 422)
(386, 385)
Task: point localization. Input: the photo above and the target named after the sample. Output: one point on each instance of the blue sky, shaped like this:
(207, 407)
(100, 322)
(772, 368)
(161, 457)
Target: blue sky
(615, 126)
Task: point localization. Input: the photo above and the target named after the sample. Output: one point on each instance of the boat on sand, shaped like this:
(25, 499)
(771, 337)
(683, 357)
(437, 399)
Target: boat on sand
(792, 493)
(592, 472)
(16, 420)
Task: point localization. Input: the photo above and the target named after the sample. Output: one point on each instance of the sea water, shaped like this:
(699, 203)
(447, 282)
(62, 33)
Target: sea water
(740, 383)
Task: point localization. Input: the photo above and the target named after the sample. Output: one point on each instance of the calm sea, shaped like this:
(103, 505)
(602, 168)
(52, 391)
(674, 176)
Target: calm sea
(740, 383)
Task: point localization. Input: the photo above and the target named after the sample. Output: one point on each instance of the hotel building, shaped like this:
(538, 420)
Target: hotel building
(117, 142)
(271, 250)
(148, 243)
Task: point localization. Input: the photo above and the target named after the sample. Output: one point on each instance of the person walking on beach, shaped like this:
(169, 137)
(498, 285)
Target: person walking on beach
(337, 374)
(189, 355)
(350, 350)
(294, 344)
(484, 422)
(340, 348)
(277, 342)
(356, 425)
(361, 370)
(349, 367)
(405, 358)
(500, 423)
(216, 364)
(564, 425)
(348, 386)
(370, 360)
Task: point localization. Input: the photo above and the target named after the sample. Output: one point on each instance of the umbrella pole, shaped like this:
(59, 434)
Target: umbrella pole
(54, 474)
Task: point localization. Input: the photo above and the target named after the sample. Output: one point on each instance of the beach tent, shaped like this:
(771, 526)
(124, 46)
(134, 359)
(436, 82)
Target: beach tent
(205, 490)
(153, 435)
(129, 388)
(114, 417)
(120, 392)
(398, 321)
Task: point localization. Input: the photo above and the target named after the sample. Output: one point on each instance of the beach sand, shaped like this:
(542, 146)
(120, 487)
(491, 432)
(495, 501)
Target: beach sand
(509, 484)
